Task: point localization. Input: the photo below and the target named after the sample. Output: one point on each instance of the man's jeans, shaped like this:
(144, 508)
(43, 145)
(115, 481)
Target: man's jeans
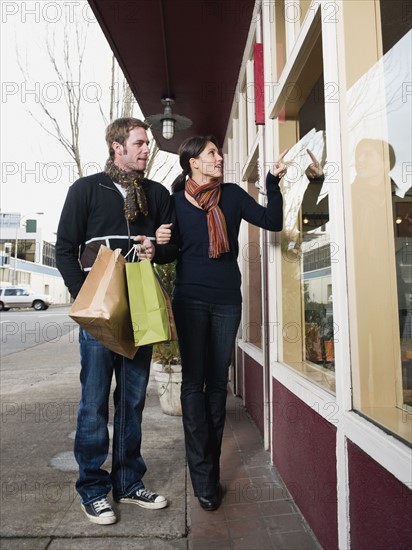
(206, 338)
(91, 444)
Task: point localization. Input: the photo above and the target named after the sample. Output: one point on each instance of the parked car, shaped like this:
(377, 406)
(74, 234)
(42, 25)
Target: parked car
(16, 296)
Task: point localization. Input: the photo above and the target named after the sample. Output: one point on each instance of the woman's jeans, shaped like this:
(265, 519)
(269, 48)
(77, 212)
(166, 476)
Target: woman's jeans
(206, 338)
(91, 444)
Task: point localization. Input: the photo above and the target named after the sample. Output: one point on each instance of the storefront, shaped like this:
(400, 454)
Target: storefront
(324, 356)
(324, 362)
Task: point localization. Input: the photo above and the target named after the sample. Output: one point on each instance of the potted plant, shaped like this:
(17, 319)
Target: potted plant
(166, 364)
(168, 376)
(319, 333)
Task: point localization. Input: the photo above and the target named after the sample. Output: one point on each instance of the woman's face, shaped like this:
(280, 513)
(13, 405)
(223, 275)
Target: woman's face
(208, 165)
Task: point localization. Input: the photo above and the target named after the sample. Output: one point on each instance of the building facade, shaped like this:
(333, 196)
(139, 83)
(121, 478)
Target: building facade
(324, 356)
(26, 259)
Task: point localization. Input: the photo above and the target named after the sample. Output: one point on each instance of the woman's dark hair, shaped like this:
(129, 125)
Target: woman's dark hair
(191, 148)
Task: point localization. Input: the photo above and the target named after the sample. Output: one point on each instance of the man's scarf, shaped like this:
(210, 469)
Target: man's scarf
(135, 200)
(207, 197)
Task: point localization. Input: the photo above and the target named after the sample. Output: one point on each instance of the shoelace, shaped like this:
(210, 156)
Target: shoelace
(101, 504)
(146, 493)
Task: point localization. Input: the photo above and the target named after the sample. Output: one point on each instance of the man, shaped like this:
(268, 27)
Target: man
(118, 208)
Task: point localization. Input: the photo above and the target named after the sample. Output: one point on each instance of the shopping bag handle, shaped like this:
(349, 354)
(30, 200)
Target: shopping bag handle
(139, 248)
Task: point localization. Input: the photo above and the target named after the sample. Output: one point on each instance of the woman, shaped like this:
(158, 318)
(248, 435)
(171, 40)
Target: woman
(207, 298)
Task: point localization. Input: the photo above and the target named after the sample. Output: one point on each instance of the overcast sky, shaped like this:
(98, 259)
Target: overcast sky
(36, 171)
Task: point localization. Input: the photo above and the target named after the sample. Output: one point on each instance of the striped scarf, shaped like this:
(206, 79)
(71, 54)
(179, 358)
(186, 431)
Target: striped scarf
(207, 197)
(135, 200)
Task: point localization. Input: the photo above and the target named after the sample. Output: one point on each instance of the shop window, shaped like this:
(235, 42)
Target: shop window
(307, 251)
(304, 7)
(280, 33)
(252, 269)
(243, 132)
(378, 43)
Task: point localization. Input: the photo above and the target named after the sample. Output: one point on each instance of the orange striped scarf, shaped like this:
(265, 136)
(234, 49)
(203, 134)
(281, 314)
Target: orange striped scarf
(207, 197)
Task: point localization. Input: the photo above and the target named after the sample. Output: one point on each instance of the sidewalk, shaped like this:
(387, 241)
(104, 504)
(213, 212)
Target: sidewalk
(40, 507)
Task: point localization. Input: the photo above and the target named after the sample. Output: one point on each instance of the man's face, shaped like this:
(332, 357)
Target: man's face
(134, 153)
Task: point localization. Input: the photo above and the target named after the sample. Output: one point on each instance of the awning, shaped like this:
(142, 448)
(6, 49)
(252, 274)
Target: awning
(189, 50)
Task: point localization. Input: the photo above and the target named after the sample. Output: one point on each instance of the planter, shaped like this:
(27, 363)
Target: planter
(169, 384)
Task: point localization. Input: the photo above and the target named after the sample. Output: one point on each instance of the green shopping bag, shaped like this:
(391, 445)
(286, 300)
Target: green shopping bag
(150, 311)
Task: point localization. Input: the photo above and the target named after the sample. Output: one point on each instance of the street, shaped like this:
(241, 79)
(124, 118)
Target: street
(21, 329)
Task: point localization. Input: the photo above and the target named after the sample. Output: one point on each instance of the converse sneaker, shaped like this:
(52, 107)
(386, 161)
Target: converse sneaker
(145, 499)
(99, 511)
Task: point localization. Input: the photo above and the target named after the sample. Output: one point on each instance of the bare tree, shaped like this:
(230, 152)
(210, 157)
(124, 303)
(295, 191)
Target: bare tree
(68, 67)
(69, 75)
(122, 100)
(66, 56)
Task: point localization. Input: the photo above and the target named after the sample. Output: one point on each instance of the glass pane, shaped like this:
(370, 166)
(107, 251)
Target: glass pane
(379, 145)
(307, 251)
(253, 262)
(397, 41)
(280, 33)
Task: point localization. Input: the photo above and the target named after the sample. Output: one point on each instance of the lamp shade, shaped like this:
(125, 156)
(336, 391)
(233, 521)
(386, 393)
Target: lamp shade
(168, 128)
(168, 122)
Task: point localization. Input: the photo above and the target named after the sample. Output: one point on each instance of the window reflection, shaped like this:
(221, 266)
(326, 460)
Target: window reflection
(402, 218)
(379, 145)
(381, 203)
(306, 243)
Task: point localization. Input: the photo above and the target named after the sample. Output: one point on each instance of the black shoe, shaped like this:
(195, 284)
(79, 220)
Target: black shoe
(145, 499)
(211, 503)
(99, 512)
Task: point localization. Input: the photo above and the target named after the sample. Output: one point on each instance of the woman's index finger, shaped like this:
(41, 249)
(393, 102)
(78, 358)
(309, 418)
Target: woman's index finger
(312, 156)
(282, 155)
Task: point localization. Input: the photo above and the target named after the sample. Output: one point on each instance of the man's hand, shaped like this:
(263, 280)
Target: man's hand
(145, 248)
(279, 168)
(163, 233)
(314, 170)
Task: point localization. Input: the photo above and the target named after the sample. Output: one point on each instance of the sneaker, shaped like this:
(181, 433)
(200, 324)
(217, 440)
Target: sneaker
(145, 499)
(99, 511)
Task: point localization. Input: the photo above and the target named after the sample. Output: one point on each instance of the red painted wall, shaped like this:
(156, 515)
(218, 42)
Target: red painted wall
(380, 505)
(259, 84)
(304, 453)
(253, 390)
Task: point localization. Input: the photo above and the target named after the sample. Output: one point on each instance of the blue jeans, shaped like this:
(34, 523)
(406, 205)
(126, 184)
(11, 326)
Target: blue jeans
(91, 446)
(207, 335)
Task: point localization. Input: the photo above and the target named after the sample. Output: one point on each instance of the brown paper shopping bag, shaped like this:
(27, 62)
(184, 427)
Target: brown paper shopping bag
(102, 306)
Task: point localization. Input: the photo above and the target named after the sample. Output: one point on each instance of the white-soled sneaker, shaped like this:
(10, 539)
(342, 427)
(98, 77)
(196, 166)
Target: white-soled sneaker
(99, 511)
(145, 499)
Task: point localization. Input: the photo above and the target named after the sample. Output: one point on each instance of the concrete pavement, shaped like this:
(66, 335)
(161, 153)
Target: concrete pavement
(39, 505)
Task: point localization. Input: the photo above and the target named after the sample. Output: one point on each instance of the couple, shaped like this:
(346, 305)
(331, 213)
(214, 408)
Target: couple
(199, 225)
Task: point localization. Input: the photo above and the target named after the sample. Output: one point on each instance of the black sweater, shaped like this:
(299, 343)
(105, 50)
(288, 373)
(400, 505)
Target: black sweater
(93, 214)
(218, 280)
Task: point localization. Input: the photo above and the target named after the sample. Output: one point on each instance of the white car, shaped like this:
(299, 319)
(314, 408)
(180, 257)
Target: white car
(16, 296)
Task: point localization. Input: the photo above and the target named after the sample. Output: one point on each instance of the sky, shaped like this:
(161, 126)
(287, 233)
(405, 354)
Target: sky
(36, 170)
